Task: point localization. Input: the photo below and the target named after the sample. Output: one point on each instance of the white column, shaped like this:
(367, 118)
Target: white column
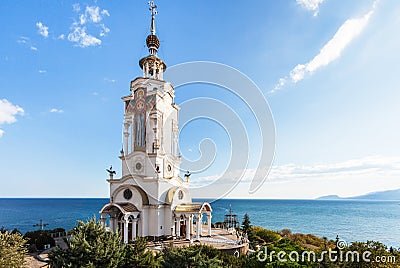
(134, 224)
(198, 223)
(126, 136)
(178, 228)
(132, 127)
(126, 222)
(191, 226)
(140, 228)
(188, 220)
(145, 227)
(209, 223)
(116, 224)
(154, 70)
(147, 69)
(112, 224)
(103, 220)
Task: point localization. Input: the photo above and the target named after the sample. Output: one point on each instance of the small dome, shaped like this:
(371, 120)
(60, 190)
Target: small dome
(152, 41)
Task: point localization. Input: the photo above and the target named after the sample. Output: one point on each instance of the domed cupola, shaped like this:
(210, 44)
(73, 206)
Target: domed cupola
(152, 66)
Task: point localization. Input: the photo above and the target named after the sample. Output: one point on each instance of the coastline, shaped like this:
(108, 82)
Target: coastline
(354, 220)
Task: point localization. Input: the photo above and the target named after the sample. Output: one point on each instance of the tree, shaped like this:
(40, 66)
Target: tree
(39, 239)
(265, 235)
(248, 229)
(246, 224)
(196, 256)
(90, 246)
(12, 249)
(137, 255)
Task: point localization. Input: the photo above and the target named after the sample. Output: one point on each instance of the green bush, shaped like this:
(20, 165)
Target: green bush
(265, 235)
(39, 238)
(12, 250)
(199, 256)
(90, 246)
(137, 255)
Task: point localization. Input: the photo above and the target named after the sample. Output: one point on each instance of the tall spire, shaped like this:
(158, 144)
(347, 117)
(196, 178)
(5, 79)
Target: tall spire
(152, 66)
(153, 9)
(152, 40)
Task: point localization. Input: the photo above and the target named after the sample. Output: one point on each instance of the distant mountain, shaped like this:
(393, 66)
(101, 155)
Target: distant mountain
(329, 197)
(383, 196)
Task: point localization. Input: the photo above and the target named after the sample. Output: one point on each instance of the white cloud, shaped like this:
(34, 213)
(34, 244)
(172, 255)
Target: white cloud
(378, 166)
(110, 80)
(82, 19)
(81, 28)
(8, 112)
(373, 165)
(55, 110)
(312, 5)
(104, 30)
(42, 29)
(93, 13)
(105, 12)
(61, 36)
(1, 133)
(76, 7)
(331, 51)
(42, 71)
(281, 83)
(23, 40)
(27, 43)
(82, 39)
(334, 48)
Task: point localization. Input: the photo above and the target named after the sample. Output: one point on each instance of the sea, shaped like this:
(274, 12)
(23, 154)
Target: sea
(351, 220)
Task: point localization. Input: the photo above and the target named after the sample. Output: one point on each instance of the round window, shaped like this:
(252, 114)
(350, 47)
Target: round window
(169, 168)
(127, 194)
(138, 166)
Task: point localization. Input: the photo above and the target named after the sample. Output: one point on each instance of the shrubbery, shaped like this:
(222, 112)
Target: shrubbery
(265, 236)
(198, 256)
(38, 239)
(92, 246)
(12, 249)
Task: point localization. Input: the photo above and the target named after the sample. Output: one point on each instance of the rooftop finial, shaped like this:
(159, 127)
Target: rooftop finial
(151, 65)
(153, 9)
(152, 40)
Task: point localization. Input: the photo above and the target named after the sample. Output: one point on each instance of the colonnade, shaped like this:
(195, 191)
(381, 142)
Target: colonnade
(187, 219)
(122, 224)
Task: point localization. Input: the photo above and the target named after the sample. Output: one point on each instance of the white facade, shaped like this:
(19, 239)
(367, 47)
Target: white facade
(150, 199)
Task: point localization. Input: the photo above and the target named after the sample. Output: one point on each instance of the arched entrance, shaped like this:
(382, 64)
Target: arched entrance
(187, 214)
(123, 217)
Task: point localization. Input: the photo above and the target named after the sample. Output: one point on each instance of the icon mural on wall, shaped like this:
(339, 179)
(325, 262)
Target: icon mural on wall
(140, 118)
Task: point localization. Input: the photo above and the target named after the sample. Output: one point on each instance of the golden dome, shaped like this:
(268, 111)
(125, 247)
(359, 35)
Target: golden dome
(152, 41)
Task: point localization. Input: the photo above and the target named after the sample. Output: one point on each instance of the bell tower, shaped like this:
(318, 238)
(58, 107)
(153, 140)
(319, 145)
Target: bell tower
(150, 199)
(150, 130)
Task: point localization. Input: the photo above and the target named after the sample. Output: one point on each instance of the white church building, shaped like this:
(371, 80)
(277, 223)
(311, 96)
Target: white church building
(150, 199)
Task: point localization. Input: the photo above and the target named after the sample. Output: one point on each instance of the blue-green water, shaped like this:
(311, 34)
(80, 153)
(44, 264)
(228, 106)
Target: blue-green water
(351, 220)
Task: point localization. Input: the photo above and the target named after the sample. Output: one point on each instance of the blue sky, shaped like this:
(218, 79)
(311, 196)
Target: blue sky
(328, 69)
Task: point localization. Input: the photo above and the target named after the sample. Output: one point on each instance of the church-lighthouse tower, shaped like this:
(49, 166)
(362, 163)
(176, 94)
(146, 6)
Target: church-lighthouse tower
(151, 199)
